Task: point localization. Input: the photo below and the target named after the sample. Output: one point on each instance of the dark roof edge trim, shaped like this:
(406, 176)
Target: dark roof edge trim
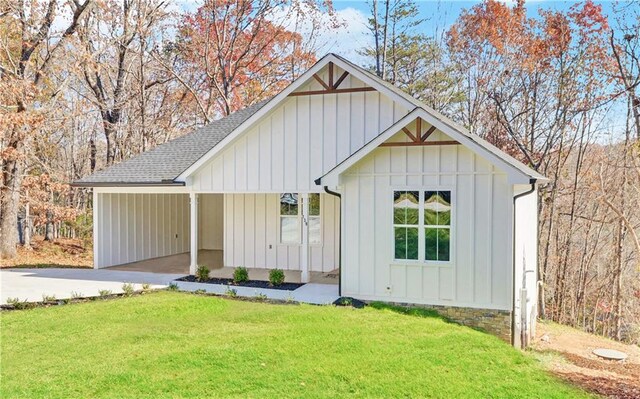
(127, 184)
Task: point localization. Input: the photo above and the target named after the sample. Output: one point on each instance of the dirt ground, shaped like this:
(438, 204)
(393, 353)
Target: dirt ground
(570, 356)
(62, 252)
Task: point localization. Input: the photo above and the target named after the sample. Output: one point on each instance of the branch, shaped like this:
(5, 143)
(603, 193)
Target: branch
(184, 83)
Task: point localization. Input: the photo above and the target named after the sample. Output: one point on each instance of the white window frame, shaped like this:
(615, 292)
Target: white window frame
(297, 217)
(421, 228)
(300, 221)
(319, 217)
(411, 226)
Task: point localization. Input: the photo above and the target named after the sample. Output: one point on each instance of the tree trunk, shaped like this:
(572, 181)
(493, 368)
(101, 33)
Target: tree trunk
(376, 36)
(9, 203)
(618, 281)
(48, 230)
(384, 40)
(109, 134)
(93, 152)
(27, 225)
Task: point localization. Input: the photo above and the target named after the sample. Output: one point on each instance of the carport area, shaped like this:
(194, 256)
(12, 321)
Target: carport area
(154, 232)
(157, 232)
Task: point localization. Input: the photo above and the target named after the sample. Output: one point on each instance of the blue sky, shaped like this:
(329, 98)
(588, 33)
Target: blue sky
(439, 15)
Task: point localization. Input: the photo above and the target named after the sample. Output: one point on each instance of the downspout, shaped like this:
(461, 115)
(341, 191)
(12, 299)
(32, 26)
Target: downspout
(335, 194)
(513, 306)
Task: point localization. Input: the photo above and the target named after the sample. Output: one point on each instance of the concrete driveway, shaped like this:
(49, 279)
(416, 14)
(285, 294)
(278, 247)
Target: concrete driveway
(32, 284)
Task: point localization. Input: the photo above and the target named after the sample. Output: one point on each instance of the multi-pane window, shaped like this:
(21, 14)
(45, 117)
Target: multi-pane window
(422, 225)
(314, 219)
(437, 225)
(406, 215)
(289, 219)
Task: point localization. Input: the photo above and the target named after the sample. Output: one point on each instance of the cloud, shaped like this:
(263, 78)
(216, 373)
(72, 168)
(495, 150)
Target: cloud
(350, 35)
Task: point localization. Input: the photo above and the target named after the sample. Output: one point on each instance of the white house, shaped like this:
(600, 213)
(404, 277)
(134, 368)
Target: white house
(339, 172)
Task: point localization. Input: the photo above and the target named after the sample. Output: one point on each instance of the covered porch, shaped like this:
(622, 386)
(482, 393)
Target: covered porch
(177, 232)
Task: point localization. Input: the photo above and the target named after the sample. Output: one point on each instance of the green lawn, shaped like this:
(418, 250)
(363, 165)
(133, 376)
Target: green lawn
(169, 344)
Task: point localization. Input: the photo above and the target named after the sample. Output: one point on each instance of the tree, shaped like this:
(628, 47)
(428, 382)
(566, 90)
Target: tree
(28, 86)
(533, 88)
(408, 59)
(233, 53)
(114, 46)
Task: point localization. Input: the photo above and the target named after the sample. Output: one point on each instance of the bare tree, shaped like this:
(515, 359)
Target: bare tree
(24, 66)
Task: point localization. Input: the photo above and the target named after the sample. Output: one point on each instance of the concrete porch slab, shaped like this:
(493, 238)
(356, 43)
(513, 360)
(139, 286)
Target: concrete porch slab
(177, 264)
(213, 259)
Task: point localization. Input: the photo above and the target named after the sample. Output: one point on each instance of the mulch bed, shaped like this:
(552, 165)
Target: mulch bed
(250, 283)
(348, 301)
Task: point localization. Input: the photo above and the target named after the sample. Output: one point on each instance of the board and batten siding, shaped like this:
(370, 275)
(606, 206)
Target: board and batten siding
(252, 234)
(211, 221)
(133, 227)
(299, 141)
(479, 274)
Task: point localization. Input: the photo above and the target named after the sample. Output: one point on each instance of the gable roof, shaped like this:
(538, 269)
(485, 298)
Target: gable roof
(163, 164)
(360, 73)
(517, 171)
(445, 125)
(173, 162)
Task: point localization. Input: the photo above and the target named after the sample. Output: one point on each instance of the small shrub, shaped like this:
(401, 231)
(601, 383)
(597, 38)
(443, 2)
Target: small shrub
(276, 277)
(346, 301)
(104, 293)
(128, 289)
(200, 291)
(76, 295)
(202, 273)
(146, 287)
(173, 287)
(240, 275)
(231, 292)
(18, 304)
(48, 298)
(261, 297)
(66, 301)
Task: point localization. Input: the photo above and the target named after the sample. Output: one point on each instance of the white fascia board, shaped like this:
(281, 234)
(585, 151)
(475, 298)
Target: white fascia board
(515, 176)
(282, 96)
(142, 190)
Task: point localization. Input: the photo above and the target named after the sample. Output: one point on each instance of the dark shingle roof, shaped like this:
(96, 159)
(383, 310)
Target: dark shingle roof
(164, 163)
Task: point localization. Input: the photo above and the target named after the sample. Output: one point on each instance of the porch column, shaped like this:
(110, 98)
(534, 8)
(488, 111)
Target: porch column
(96, 229)
(193, 202)
(304, 248)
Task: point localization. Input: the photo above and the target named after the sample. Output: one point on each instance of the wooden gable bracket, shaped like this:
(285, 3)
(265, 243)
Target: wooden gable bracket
(331, 87)
(419, 138)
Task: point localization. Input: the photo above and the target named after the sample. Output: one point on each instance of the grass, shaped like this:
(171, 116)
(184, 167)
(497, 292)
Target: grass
(171, 344)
